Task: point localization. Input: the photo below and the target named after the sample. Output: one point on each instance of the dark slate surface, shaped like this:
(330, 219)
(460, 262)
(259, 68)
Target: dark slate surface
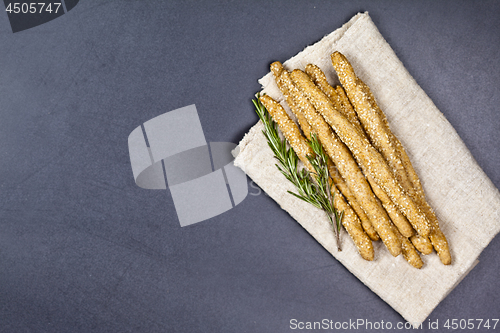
(83, 249)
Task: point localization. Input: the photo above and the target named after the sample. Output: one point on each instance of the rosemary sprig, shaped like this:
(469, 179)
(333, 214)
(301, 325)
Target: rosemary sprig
(312, 187)
(324, 185)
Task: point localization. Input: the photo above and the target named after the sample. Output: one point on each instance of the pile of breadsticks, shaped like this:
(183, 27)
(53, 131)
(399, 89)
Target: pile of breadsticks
(375, 184)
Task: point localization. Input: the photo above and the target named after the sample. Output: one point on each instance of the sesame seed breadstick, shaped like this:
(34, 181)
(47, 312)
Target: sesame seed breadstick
(277, 69)
(368, 157)
(299, 144)
(349, 171)
(436, 236)
(289, 129)
(347, 168)
(410, 183)
(399, 220)
(409, 253)
(369, 114)
(410, 171)
(319, 78)
(396, 216)
(376, 125)
(344, 106)
(422, 244)
(351, 199)
(347, 107)
(440, 243)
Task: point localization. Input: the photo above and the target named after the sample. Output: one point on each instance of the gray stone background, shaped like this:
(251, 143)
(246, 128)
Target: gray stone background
(83, 249)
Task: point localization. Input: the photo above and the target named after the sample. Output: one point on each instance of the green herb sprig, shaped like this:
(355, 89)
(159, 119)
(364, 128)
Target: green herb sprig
(312, 187)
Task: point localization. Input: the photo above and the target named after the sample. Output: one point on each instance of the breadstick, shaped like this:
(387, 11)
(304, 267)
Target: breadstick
(410, 171)
(440, 243)
(348, 109)
(399, 220)
(368, 157)
(319, 78)
(333, 146)
(437, 238)
(347, 167)
(299, 144)
(376, 125)
(409, 252)
(351, 199)
(369, 114)
(277, 69)
(422, 244)
(339, 153)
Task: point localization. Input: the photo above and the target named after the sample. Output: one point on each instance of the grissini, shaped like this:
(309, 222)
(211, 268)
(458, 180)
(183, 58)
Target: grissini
(292, 134)
(375, 123)
(286, 88)
(347, 167)
(422, 244)
(436, 236)
(369, 115)
(353, 202)
(368, 157)
(333, 147)
(343, 105)
(319, 78)
(347, 104)
(277, 69)
(409, 252)
(299, 144)
(397, 218)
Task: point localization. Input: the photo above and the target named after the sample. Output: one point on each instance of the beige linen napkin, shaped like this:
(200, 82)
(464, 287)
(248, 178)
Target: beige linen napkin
(455, 185)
